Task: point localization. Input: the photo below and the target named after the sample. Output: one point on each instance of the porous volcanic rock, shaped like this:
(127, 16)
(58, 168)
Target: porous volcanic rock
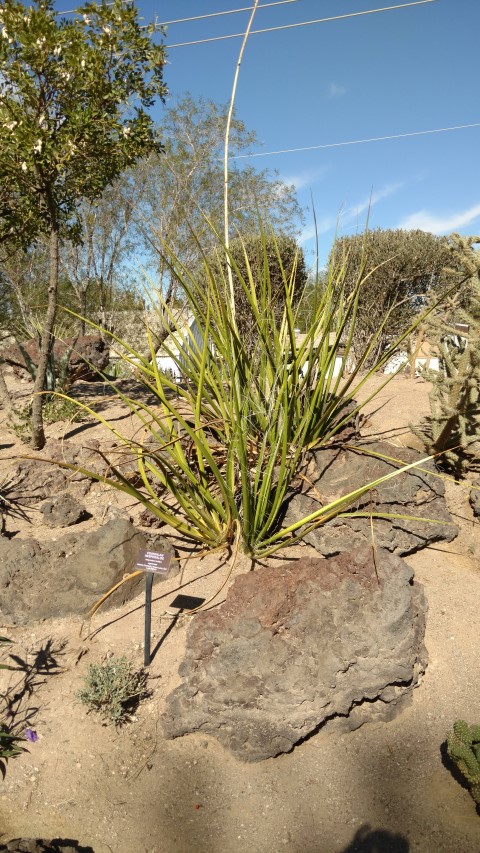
(35, 479)
(297, 646)
(63, 510)
(336, 471)
(90, 354)
(40, 580)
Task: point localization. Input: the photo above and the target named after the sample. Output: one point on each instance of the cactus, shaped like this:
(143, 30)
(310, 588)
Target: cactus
(463, 747)
(453, 427)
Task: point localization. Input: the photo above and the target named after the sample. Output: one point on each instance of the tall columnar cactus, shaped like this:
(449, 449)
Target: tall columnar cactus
(463, 747)
(453, 427)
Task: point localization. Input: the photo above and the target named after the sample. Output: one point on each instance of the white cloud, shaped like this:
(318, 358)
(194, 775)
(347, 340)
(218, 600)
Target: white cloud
(323, 226)
(335, 90)
(374, 198)
(441, 225)
(306, 178)
(350, 214)
(307, 234)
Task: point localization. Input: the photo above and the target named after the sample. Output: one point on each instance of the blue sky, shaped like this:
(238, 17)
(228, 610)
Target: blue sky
(393, 72)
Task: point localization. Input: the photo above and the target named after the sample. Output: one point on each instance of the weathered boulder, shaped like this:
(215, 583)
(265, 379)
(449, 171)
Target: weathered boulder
(34, 481)
(40, 580)
(89, 355)
(64, 510)
(335, 472)
(296, 646)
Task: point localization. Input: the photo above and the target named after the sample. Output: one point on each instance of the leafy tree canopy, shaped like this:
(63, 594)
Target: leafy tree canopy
(403, 266)
(73, 101)
(184, 195)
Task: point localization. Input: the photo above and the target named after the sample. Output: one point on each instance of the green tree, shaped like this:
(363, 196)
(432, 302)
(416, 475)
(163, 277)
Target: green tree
(98, 267)
(402, 267)
(184, 186)
(181, 211)
(25, 274)
(75, 95)
(164, 201)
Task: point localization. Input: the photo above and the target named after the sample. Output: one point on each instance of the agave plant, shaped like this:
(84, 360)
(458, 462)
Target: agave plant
(221, 452)
(9, 506)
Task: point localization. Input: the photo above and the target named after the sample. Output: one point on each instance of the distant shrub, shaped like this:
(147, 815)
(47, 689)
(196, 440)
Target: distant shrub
(251, 257)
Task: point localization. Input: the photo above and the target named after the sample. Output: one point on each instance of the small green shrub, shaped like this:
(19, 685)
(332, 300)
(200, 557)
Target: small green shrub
(55, 409)
(62, 409)
(463, 747)
(114, 689)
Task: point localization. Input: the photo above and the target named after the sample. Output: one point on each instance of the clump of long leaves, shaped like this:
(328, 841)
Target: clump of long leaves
(220, 452)
(9, 740)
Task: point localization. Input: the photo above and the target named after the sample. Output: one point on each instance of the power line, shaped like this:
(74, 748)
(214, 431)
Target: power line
(356, 141)
(228, 12)
(302, 23)
(200, 17)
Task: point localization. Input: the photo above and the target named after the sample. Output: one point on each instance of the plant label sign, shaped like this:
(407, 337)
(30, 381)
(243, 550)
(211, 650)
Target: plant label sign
(154, 561)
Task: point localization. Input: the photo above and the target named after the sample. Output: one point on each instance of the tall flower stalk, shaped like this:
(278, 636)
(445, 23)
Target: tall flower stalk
(231, 291)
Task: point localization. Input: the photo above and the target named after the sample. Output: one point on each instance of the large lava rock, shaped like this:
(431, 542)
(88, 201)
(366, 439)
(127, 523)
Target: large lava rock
(40, 580)
(63, 510)
(335, 472)
(296, 646)
(35, 479)
(89, 355)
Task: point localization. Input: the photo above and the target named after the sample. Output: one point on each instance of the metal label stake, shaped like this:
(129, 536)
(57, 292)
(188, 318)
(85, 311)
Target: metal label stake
(148, 617)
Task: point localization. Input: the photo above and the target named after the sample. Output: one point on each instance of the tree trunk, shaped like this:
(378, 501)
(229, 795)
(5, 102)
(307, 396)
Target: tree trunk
(83, 308)
(38, 434)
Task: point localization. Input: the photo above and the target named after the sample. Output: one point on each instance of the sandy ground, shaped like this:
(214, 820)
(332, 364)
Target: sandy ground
(381, 788)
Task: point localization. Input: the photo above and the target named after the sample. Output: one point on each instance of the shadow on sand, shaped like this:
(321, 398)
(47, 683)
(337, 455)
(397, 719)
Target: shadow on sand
(369, 840)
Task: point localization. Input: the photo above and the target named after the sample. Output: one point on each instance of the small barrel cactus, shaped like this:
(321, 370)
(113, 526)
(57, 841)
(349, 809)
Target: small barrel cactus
(463, 747)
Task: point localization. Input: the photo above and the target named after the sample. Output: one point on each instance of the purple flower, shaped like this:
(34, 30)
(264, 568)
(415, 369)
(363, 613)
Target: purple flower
(31, 735)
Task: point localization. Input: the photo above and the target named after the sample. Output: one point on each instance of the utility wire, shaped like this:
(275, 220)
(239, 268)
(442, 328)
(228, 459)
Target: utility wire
(301, 23)
(228, 12)
(356, 141)
(198, 17)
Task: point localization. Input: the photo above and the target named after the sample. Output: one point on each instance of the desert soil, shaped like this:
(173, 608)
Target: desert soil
(381, 788)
